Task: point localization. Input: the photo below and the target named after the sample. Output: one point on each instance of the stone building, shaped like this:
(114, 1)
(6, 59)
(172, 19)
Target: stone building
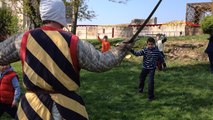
(174, 28)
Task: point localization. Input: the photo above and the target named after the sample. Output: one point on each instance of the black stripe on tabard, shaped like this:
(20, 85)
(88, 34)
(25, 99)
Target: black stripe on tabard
(29, 84)
(45, 98)
(48, 45)
(29, 112)
(49, 78)
(74, 96)
(69, 114)
(43, 72)
(66, 36)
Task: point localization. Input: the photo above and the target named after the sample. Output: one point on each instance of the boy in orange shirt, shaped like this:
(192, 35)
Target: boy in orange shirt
(105, 43)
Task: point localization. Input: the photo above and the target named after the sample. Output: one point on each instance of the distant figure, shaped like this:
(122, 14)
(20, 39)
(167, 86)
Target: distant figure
(160, 40)
(209, 51)
(151, 55)
(181, 33)
(105, 43)
(9, 91)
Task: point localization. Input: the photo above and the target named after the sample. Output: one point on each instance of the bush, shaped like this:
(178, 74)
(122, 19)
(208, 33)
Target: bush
(8, 23)
(207, 25)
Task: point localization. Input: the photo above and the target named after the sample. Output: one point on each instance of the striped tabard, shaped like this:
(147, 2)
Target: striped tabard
(50, 74)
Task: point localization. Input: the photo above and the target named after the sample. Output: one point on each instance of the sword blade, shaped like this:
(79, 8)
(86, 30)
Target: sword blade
(144, 23)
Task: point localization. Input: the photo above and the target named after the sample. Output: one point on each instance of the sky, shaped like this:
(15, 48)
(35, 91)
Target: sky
(109, 13)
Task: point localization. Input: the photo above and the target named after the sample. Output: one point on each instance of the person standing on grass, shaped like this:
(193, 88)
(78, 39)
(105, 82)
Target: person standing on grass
(160, 40)
(151, 55)
(105, 43)
(209, 51)
(9, 90)
(51, 62)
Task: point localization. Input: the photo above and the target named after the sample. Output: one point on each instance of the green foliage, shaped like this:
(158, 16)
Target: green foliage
(194, 37)
(31, 9)
(8, 23)
(81, 7)
(207, 25)
(78, 10)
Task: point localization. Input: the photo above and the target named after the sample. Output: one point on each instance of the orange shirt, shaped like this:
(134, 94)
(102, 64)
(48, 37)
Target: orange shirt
(105, 45)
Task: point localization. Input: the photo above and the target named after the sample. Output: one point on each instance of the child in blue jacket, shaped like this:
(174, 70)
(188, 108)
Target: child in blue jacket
(151, 55)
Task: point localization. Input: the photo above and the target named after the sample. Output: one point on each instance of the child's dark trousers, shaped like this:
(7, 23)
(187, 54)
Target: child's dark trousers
(143, 75)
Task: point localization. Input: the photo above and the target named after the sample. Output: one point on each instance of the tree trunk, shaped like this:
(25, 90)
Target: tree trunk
(212, 7)
(75, 16)
(74, 22)
(34, 16)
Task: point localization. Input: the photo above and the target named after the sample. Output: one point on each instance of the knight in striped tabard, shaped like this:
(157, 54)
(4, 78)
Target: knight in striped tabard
(51, 61)
(50, 65)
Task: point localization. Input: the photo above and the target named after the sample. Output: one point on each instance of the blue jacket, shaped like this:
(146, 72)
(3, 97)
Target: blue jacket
(151, 56)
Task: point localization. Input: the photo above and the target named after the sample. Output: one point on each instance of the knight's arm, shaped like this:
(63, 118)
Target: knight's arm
(9, 49)
(89, 58)
(93, 60)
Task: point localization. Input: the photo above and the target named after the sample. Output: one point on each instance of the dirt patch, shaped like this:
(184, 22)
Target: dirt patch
(186, 50)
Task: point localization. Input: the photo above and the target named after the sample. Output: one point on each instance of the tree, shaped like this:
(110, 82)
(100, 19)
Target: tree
(207, 25)
(78, 10)
(212, 7)
(31, 9)
(8, 23)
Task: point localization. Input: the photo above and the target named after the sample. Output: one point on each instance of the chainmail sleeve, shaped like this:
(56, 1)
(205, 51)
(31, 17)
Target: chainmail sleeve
(89, 58)
(9, 49)
(93, 60)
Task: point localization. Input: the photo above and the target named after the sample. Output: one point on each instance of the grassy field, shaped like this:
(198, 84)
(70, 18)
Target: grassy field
(183, 91)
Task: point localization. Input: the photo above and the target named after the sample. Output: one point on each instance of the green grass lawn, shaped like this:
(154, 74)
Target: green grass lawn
(183, 92)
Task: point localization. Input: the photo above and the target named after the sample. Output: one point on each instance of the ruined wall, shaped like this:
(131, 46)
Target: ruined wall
(175, 30)
(87, 32)
(193, 30)
(123, 32)
(169, 30)
(112, 31)
(126, 31)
